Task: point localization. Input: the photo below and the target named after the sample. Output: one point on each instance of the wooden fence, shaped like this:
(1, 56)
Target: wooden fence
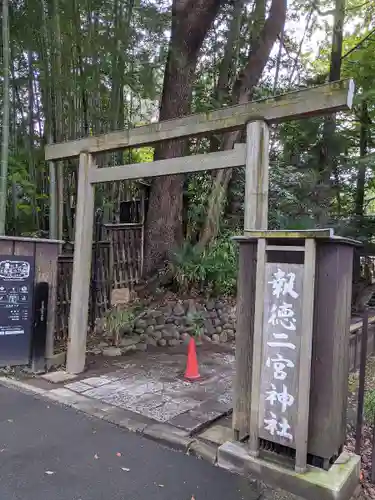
(127, 244)
(117, 263)
(355, 342)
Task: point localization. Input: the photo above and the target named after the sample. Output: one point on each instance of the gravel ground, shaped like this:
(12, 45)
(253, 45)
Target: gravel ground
(368, 489)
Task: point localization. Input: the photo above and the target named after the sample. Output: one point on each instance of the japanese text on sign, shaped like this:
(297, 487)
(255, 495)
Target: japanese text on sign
(281, 332)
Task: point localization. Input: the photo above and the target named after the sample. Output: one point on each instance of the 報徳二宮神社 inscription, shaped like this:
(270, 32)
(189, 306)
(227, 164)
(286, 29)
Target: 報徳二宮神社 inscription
(282, 330)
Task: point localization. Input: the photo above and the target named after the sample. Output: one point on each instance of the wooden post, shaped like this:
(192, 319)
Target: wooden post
(302, 430)
(78, 318)
(256, 175)
(52, 200)
(60, 198)
(256, 365)
(244, 334)
(361, 386)
(255, 217)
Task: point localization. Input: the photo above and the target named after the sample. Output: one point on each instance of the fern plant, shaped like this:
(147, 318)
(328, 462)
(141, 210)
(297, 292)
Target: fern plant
(119, 319)
(213, 270)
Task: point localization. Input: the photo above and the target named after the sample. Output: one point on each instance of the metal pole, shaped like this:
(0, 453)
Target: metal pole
(361, 388)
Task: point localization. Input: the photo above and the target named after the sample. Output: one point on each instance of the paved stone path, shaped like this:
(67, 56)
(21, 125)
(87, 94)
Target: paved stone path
(154, 388)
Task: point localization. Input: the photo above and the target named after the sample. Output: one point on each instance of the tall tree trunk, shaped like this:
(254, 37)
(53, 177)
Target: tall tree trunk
(14, 141)
(361, 176)
(80, 68)
(59, 118)
(329, 150)
(243, 89)
(5, 128)
(278, 61)
(360, 188)
(228, 66)
(95, 94)
(120, 41)
(30, 141)
(190, 24)
(227, 69)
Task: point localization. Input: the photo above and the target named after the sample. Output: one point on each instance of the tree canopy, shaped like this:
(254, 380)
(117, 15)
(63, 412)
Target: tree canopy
(73, 68)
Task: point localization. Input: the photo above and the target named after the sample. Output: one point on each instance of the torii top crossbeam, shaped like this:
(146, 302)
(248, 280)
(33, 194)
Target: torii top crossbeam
(324, 99)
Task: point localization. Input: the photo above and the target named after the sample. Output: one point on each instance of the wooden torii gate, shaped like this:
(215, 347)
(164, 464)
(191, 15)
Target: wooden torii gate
(257, 116)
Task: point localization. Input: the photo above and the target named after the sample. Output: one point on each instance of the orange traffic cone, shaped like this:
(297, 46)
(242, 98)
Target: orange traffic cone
(192, 370)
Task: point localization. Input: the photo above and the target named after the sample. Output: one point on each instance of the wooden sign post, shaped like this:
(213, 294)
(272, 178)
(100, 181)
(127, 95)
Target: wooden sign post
(282, 350)
(296, 404)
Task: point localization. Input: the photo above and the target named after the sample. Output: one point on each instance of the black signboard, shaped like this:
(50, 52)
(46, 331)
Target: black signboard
(16, 308)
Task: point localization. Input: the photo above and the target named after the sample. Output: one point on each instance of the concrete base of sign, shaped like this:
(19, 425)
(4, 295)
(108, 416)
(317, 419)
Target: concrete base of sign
(339, 483)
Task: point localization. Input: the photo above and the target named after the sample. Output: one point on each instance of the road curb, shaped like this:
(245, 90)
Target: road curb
(203, 450)
(171, 436)
(164, 434)
(22, 386)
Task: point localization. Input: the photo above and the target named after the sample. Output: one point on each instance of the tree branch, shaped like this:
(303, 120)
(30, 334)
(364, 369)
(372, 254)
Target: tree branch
(193, 17)
(301, 43)
(249, 76)
(247, 79)
(320, 12)
(327, 13)
(359, 44)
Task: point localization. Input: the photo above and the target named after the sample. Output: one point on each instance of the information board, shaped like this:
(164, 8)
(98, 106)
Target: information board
(16, 308)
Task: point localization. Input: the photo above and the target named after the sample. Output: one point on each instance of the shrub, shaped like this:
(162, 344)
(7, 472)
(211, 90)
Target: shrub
(369, 406)
(118, 320)
(196, 320)
(213, 271)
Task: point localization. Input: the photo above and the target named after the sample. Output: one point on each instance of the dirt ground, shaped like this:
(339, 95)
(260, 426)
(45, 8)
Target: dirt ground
(366, 448)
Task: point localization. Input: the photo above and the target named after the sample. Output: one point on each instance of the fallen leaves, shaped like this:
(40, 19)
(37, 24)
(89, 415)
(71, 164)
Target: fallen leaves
(366, 451)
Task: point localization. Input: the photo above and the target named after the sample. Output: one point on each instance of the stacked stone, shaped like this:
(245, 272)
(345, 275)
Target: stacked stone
(172, 324)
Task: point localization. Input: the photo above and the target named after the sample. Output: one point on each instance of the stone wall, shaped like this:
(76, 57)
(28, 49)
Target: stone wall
(173, 323)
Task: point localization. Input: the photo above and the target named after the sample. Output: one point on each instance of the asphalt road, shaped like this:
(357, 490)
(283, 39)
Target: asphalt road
(49, 452)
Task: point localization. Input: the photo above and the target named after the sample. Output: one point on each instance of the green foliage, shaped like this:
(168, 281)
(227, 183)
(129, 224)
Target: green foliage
(101, 49)
(353, 383)
(369, 407)
(212, 271)
(197, 189)
(196, 320)
(119, 320)
(142, 155)
(25, 202)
